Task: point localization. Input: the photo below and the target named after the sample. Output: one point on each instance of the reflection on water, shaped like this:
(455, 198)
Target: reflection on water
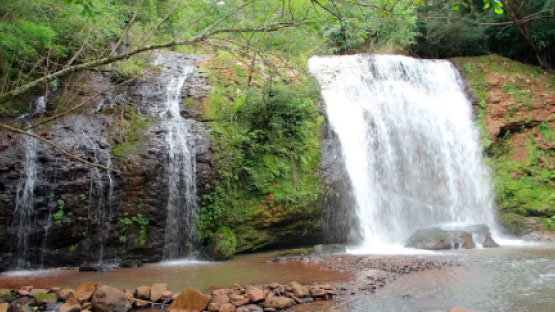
(180, 274)
(503, 279)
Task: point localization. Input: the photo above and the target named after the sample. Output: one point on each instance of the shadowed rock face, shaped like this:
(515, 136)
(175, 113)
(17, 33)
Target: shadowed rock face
(74, 213)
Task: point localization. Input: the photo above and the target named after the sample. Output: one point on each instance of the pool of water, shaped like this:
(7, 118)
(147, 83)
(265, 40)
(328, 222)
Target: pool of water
(244, 269)
(518, 278)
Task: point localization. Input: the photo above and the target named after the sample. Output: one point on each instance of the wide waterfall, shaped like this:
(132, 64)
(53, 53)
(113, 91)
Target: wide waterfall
(162, 98)
(409, 142)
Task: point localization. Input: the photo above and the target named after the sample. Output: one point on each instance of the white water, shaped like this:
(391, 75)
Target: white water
(409, 142)
(163, 99)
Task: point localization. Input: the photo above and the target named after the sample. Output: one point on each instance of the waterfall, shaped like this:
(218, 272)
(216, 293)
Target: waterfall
(23, 214)
(410, 146)
(162, 99)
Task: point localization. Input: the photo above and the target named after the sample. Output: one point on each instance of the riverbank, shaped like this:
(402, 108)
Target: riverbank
(263, 280)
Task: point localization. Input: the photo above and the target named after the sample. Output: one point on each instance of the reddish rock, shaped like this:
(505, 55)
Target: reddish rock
(55, 289)
(85, 291)
(110, 299)
(190, 300)
(316, 291)
(71, 305)
(299, 290)
(64, 294)
(4, 307)
(279, 302)
(167, 294)
(156, 291)
(213, 307)
(238, 300)
(228, 307)
(23, 292)
(250, 308)
(142, 292)
(254, 294)
(220, 299)
(222, 291)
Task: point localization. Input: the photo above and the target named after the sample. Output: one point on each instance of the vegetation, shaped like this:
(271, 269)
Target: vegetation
(223, 244)
(521, 157)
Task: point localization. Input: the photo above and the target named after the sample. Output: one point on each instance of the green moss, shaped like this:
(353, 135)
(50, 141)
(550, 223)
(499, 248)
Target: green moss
(223, 244)
(523, 184)
(134, 125)
(295, 252)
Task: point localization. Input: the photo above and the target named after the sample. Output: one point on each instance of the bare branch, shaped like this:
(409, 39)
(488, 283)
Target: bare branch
(57, 147)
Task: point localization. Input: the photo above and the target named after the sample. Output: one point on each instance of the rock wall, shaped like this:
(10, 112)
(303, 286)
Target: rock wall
(82, 214)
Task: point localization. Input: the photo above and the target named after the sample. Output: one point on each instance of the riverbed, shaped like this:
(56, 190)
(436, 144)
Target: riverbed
(509, 278)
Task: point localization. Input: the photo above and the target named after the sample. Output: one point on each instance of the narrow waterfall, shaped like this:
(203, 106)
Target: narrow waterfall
(162, 99)
(411, 149)
(23, 214)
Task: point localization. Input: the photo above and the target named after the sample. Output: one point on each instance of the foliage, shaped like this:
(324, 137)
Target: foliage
(59, 215)
(141, 221)
(223, 243)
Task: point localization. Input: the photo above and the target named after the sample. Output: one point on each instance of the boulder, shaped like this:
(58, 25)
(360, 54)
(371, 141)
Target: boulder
(299, 290)
(85, 291)
(220, 299)
(142, 292)
(437, 238)
(279, 302)
(481, 235)
(71, 305)
(110, 299)
(329, 248)
(156, 291)
(4, 307)
(190, 300)
(254, 294)
(317, 292)
(457, 309)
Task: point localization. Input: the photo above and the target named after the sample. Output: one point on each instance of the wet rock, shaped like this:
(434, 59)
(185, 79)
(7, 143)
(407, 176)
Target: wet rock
(317, 292)
(304, 300)
(85, 267)
(329, 248)
(250, 308)
(71, 305)
(279, 302)
(110, 299)
(254, 294)
(481, 235)
(156, 291)
(437, 239)
(85, 291)
(299, 290)
(190, 300)
(142, 292)
(227, 307)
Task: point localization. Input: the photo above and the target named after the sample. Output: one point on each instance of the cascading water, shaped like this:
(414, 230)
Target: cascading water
(162, 98)
(23, 214)
(410, 147)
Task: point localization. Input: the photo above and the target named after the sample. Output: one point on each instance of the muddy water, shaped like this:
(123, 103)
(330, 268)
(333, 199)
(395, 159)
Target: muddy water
(246, 269)
(501, 279)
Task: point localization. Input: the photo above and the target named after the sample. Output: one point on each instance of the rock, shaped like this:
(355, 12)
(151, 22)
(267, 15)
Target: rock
(4, 307)
(532, 236)
(279, 302)
(167, 294)
(254, 294)
(250, 308)
(23, 292)
(190, 300)
(222, 291)
(55, 289)
(270, 310)
(142, 292)
(299, 290)
(213, 307)
(220, 299)
(376, 275)
(85, 291)
(457, 309)
(85, 267)
(304, 300)
(64, 294)
(227, 307)
(110, 299)
(238, 300)
(317, 292)
(156, 291)
(71, 305)
(35, 291)
(329, 248)
(481, 235)
(45, 298)
(437, 238)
